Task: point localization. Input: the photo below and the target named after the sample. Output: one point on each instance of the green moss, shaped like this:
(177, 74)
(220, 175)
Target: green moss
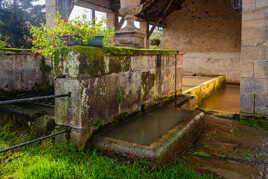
(148, 80)
(14, 51)
(119, 51)
(93, 60)
(122, 116)
(125, 51)
(202, 154)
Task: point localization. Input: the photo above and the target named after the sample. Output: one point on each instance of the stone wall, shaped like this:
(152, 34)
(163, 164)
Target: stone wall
(254, 58)
(213, 63)
(209, 29)
(105, 86)
(20, 71)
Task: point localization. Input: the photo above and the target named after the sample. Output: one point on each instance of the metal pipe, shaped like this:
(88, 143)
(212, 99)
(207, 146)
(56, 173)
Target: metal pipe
(34, 141)
(34, 99)
(175, 79)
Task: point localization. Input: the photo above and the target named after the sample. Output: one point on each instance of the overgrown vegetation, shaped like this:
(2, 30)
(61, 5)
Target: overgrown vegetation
(16, 17)
(2, 43)
(49, 41)
(52, 161)
(156, 39)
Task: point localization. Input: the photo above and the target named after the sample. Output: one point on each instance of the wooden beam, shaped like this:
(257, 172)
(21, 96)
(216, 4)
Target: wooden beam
(150, 31)
(93, 5)
(120, 24)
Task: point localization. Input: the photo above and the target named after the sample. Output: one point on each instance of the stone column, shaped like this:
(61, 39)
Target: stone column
(52, 6)
(111, 21)
(254, 58)
(145, 29)
(130, 36)
(51, 11)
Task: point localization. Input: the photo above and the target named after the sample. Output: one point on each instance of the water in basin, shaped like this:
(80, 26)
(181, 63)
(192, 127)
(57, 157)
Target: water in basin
(149, 127)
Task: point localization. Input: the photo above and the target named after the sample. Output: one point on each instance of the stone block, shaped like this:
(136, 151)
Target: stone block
(246, 102)
(251, 53)
(261, 103)
(261, 4)
(249, 5)
(247, 85)
(261, 69)
(246, 69)
(252, 36)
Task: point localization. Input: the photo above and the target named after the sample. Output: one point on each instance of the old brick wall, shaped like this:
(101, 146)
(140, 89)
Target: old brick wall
(209, 31)
(254, 57)
(20, 72)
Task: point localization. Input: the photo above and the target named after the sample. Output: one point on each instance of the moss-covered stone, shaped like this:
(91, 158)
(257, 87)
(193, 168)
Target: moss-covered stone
(148, 80)
(12, 51)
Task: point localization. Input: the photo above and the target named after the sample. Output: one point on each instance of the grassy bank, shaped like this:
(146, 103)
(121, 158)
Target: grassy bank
(52, 161)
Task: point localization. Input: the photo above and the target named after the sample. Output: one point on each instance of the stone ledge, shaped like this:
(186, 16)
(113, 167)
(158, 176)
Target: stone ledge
(179, 138)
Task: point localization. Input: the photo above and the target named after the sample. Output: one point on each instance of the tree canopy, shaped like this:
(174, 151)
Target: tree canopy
(16, 17)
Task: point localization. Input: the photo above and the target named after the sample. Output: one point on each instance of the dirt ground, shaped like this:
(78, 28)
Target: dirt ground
(231, 150)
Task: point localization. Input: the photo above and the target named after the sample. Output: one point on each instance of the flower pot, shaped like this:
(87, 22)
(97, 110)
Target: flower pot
(75, 40)
(97, 42)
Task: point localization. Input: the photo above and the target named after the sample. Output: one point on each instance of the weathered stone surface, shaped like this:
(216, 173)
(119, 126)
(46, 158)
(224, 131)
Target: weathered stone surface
(120, 85)
(210, 34)
(202, 63)
(254, 79)
(20, 72)
(246, 69)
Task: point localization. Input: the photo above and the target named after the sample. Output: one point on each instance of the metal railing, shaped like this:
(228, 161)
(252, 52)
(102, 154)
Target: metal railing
(34, 141)
(28, 100)
(34, 99)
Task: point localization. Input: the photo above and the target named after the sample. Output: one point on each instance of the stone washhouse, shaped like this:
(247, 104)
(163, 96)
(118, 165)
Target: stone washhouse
(211, 37)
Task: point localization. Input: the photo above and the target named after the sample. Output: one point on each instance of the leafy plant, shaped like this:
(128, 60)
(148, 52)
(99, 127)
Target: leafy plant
(50, 41)
(119, 97)
(43, 66)
(2, 43)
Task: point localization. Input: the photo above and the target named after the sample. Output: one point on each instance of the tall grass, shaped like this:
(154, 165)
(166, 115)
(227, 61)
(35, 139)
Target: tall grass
(54, 161)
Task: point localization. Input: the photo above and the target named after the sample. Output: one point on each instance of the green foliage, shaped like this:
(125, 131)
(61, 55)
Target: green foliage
(16, 17)
(43, 66)
(202, 154)
(53, 161)
(249, 121)
(119, 97)
(156, 39)
(98, 123)
(2, 43)
(50, 41)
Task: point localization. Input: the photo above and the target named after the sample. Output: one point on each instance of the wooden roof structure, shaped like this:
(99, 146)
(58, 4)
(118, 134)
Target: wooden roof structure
(153, 11)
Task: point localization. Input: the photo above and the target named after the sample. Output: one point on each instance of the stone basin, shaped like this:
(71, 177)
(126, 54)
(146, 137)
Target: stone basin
(154, 135)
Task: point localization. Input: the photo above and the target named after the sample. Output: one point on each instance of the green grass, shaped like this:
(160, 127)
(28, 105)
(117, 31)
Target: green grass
(53, 161)
(202, 154)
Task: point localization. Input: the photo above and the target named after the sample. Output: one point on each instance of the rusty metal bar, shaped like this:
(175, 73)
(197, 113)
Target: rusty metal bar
(34, 99)
(33, 141)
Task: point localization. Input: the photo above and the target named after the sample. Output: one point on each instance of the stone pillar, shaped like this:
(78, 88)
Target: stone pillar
(130, 36)
(145, 29)
(254, 58)
(51, 11)
(52, 6)
(111, 21)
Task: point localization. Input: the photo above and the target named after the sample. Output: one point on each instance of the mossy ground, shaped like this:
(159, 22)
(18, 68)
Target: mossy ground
(53, 161)
(48, 160)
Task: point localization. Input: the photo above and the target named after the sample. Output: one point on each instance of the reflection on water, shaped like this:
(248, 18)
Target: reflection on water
(151, 126)
(226, 99)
